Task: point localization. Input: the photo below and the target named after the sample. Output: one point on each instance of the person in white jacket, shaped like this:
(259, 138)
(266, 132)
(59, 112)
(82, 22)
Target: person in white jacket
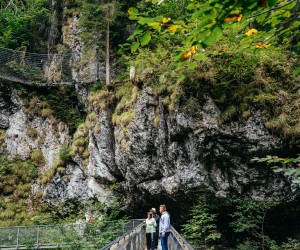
(164, 227)
(150, 231)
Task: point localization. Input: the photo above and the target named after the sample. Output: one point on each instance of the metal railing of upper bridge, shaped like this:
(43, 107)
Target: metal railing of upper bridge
(70, 236)
(36, 69)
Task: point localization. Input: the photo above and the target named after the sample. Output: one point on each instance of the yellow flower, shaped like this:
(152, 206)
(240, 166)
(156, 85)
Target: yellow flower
(262, 45)
(194, 49)
(185, 56)
(166, 19)
(239, 18)
(232, 17)
(251, 32)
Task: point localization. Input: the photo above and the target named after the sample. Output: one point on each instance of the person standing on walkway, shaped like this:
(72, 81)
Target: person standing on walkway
(157, 219)
(164, 227)
(150, 231)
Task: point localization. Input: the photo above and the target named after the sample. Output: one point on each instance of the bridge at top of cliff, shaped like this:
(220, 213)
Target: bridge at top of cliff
(35, 69)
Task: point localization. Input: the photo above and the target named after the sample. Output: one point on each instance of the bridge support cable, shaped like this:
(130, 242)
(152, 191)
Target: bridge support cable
(35, 69)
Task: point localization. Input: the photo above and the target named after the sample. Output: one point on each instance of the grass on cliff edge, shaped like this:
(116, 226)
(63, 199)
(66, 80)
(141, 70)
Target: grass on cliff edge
(239, 81)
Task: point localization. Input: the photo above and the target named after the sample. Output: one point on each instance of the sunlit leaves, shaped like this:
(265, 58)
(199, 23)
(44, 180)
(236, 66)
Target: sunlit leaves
(289, 166)
(202, 23)
(174, 28)
(145, 38)
(215, 35)
(133, 11)
(155, 25)
(192, 65)
(262, 45)
(296, 71)
(181, 78)
(251, 32)
(194, 49)
(134, 46)
(166, 19)
(187, 54)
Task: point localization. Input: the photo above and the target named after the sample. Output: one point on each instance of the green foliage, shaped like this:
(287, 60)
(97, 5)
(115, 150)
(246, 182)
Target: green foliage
(96, 14)
(288, 166)
(291, 244)
(2, 141)
(246, 246)
(65, 153)
(58, 166)
(15, 185)
(234, 68)
(31, 132)
(65, 106)
(37, 157)
(201, 228)
(80, 140)
(250, 217)
(68, 227)
(248, 81)
(61, 103)
(201, 23)
(24, 23)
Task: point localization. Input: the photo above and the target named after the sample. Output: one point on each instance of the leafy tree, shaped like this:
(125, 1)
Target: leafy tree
(97, 17)
(250, 218)
(24, 23)
(201, 228)
(199, 24)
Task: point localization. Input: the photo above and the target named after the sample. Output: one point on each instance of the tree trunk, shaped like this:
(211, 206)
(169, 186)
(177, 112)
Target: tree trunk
(107, 72)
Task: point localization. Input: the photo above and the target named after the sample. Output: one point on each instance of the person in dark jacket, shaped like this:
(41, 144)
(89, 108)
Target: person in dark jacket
(157, 218)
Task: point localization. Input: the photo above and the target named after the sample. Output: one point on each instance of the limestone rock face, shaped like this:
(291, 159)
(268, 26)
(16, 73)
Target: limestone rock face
(185, 153)
(181, 156)
(48, 136)
(172, 160)
(85, 65)
(9, 103)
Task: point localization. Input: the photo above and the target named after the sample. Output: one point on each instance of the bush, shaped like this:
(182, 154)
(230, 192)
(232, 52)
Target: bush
(31, 132)
(246, 246)
(65, 153)
(201, 228)
(46, 113)
(37, 157)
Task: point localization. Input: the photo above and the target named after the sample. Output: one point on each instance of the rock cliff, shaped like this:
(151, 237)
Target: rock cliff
(170, 161)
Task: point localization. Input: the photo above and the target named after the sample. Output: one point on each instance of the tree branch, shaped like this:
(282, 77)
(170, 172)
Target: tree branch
(275, 8)
(9, 3)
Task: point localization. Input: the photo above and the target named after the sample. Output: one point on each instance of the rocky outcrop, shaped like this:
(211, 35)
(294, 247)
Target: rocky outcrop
(172, 160)
(186, 153)
(181, 155)
(85, 62)
(25, 135)
(9, 103)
